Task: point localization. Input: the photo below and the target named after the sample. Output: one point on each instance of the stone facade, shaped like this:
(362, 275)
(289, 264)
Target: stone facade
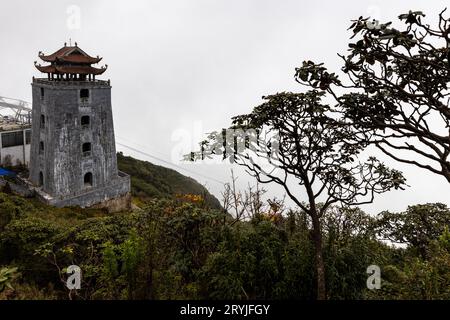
(73, 159)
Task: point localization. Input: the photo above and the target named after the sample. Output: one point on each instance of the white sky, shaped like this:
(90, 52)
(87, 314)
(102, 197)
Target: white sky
(183, 68)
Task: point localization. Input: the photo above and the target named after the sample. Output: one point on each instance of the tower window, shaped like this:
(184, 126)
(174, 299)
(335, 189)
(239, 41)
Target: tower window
(42, 121)
(41, 147)
(86, 148)
(41, 178)
(88, 179)
(84, 93)
(42, 93)
(85, 121)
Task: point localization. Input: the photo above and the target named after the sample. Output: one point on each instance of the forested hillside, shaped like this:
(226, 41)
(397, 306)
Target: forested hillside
(152, 181)
(183, 249)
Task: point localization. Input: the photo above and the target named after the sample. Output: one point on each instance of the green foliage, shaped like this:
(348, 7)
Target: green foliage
(418, 278)
(19, 241)
(7, 275)
(110, 261)
(12, 207)
(350, 247)
(247, 264)
(418, 226)
(178, 250)
(173, 250)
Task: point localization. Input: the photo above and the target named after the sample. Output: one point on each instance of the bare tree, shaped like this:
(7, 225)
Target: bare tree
(247, 204)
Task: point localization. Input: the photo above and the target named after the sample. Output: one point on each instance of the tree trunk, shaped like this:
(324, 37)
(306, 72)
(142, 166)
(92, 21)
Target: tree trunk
(320, 266)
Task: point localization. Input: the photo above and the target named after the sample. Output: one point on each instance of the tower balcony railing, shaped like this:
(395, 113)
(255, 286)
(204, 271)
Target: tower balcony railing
(55, 82)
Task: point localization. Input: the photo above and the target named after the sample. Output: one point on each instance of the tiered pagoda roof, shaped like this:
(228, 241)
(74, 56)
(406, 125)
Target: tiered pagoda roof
(70, 63)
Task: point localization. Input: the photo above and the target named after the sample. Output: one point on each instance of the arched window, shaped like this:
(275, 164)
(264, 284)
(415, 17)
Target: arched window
(41, 147)
(86, 149)
(42, 121)
(88, 179)
(85, 121)
(41, 179)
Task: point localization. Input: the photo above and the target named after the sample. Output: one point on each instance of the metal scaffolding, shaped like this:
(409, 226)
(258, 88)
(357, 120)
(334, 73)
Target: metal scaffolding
(15, 111)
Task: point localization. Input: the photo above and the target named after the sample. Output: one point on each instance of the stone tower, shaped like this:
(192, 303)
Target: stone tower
(73, 159)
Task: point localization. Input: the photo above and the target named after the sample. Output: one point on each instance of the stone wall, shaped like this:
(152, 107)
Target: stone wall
(114, 197)
(57, 159)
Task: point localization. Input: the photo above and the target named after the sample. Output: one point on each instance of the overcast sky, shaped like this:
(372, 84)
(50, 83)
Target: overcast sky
(183, 68)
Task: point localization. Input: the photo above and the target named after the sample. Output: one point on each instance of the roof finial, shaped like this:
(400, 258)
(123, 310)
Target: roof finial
(65, 44)
(76, 45)
(70, 41)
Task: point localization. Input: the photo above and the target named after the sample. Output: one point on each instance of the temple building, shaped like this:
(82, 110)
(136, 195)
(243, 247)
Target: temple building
(73, 159)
